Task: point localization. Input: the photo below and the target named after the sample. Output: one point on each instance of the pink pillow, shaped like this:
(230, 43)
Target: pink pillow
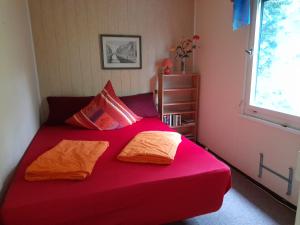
(62, 107)
(105, 112)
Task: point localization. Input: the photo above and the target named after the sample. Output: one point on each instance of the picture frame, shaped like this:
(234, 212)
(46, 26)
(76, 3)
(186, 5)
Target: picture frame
(120, 51)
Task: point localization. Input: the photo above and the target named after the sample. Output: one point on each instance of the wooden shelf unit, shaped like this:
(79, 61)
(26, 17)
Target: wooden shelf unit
(178, 112)
(180, 89)
(178, 96)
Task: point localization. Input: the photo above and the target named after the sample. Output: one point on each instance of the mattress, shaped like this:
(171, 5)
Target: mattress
(117, 192)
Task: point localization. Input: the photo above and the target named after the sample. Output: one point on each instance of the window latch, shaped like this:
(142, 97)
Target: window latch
(249, 51)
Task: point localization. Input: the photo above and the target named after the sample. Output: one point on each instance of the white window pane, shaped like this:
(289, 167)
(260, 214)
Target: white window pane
(277, 83)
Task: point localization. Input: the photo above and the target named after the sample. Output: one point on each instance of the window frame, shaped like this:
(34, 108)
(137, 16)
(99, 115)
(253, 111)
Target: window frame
(275, 117)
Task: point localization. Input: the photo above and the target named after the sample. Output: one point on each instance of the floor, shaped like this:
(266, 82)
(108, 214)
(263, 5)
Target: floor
(245, 204)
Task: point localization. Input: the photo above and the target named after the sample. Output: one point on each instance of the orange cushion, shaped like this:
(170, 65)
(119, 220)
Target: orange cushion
(105, 112)
(71, 160)
(158, 147)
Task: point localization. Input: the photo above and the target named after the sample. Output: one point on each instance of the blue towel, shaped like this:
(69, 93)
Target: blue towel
(241, 13)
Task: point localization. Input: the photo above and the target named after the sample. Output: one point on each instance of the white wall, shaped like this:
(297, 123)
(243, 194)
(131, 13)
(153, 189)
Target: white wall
(66, 38)
(19, 98)
(221, 62)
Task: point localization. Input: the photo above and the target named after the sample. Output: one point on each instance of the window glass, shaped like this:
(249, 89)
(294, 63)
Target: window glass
(276, 73)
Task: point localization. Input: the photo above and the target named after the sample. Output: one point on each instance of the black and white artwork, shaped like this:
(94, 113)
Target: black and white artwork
(121, 51)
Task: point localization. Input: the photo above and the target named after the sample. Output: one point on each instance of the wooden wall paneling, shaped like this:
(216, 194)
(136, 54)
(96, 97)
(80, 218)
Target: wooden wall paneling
(93, 30)
(142, 28)
(132, 11)
(38, 34)
(83, 42)
(40, 47)
(104, 28)
(159, 50)
(124, 29)
(73, 53)
(113, 27)
(62, 47)
(187, 24)
(150, 40)
(51, 48)
(115, 19)
(39, 38)
(66, 36)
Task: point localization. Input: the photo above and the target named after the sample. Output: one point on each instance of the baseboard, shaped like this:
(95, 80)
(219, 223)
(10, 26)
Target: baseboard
(261, 186)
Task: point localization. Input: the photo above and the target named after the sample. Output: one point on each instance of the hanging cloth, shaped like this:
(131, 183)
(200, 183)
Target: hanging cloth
(241, 13)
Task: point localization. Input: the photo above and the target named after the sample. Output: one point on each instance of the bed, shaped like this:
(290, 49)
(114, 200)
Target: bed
(117, 192)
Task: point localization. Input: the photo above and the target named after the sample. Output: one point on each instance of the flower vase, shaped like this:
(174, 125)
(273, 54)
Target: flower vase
(183, 65)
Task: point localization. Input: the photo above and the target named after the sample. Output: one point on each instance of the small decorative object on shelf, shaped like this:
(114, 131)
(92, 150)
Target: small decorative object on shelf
(178, 102)
(184, 49)
(167, 65)
(173, 120)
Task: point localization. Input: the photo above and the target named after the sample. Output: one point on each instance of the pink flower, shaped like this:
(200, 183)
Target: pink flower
(185, 46)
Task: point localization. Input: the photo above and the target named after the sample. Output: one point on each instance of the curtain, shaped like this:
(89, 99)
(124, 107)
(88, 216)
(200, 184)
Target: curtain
(241, 13)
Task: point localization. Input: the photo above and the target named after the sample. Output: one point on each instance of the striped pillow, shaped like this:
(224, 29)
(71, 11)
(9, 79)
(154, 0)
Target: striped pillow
(105, 112)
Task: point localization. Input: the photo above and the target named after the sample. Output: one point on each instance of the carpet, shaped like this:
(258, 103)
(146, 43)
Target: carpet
(245, 204)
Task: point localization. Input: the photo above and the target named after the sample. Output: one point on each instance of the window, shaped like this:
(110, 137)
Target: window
(273, 75)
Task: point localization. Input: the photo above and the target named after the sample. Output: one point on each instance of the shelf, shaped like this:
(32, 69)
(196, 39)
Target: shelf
(178, 94)
(180, 75)
(180, 112)
(189, 135)
(179, 89)
(179, 103)
(184, 125)
(192, 138)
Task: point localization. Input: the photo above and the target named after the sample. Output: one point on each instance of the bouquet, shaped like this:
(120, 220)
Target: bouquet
(186, 46)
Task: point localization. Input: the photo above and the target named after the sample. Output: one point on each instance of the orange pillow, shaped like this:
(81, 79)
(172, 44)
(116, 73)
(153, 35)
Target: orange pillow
(105, 112)
(158, 147)
(68, 160)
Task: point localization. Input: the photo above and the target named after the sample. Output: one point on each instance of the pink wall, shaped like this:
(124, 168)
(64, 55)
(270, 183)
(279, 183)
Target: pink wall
(236, 138)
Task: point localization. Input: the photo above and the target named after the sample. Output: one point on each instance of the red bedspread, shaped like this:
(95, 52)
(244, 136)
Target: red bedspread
(117, 192)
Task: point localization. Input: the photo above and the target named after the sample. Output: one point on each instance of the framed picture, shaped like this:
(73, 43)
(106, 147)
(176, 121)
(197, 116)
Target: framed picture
(121, 51)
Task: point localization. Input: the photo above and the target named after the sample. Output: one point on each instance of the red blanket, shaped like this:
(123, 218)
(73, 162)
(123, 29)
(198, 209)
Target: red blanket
(117, 192)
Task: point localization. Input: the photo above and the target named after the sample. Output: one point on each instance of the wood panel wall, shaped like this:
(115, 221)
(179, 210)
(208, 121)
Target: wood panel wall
(66, 38)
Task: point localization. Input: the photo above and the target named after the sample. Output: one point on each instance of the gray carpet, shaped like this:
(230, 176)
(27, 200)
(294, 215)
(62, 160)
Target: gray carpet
(245, 204)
